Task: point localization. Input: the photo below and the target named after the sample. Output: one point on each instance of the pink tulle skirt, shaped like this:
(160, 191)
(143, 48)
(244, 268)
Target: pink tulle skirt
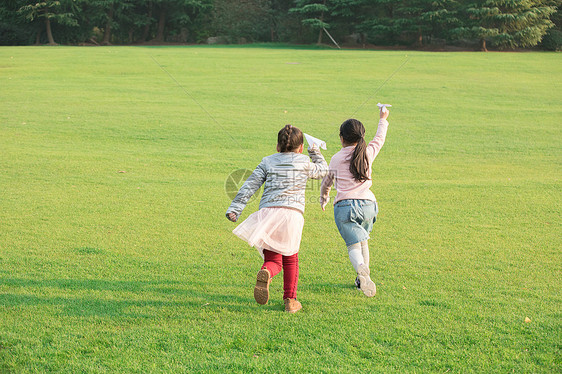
(275, 229)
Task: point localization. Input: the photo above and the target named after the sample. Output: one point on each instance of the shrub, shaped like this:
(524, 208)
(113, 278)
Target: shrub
(552, 41)
(13, 34)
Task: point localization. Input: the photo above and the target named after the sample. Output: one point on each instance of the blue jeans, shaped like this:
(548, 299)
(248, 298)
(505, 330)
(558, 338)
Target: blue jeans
(354, 219)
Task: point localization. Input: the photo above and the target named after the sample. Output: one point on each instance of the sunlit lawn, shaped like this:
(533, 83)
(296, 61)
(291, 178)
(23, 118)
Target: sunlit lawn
(115, 255)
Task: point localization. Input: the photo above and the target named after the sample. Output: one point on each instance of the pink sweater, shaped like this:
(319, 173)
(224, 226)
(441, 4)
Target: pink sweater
(341, 177)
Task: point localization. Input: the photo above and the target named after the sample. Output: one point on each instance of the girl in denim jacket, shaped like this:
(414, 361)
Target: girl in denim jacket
(355, 206)
(276, 228)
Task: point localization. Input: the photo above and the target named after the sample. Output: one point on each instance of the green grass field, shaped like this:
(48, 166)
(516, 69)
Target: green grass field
(115, 255)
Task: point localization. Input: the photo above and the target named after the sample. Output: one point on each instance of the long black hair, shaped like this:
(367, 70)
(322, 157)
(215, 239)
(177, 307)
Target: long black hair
(353, 131)
(289, 138)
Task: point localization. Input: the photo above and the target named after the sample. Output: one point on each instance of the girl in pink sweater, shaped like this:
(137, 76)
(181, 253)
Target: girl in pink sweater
(355, 206)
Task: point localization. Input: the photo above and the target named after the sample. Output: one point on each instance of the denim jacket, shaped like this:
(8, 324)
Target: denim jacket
(285, 175)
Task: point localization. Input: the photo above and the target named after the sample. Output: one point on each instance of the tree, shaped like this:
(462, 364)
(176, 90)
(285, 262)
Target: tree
(105, 15)
(248, 19)
(502, 23)
(14, 29)
(377, 21)
(347, 17)
(409, 21)
(313, 13)
(179, 13)
(508, 23)
(552, 40)
(419, 18)
(49, 10)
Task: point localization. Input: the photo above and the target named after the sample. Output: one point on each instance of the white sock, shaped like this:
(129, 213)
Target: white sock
(355, 255)
(365, 252)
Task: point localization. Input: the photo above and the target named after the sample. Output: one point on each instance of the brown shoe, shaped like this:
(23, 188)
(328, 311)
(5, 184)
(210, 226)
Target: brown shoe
(261, 291)
(292, 305)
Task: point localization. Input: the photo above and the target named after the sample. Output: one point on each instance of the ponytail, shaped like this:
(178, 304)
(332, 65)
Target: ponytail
(353, 131)
(359, 165)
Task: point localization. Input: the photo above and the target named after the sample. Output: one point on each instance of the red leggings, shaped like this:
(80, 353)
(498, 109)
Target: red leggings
(275, 262)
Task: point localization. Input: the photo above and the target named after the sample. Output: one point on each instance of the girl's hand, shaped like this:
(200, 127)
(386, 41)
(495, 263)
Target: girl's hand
(384, 113)
(232, 217)
(324, 202)
(313, 148)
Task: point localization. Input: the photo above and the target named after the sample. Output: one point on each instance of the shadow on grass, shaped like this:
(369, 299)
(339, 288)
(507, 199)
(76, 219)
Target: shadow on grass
(335, 287)
(127, 299)
(249, 46)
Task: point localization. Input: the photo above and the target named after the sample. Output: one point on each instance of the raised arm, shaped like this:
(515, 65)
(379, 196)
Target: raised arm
(248, 189)
(375, 145)
(319, 167)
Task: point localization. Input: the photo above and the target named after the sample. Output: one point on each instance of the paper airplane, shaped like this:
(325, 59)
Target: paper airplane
(382, 107)
(311, 140)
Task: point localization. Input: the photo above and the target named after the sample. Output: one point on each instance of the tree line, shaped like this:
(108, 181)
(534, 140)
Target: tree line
(481, 24)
